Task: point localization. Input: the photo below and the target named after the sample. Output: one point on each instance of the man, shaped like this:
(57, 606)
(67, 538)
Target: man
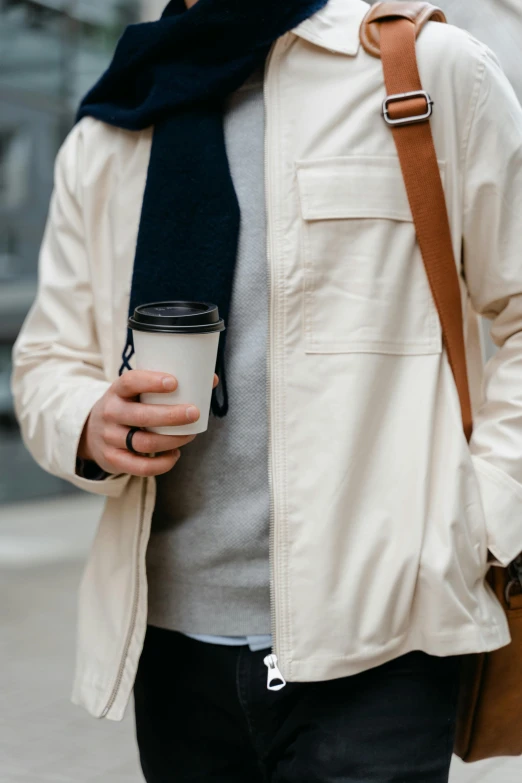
(360, 555)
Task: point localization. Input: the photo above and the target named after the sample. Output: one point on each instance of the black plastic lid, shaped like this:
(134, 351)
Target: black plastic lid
(177, 318)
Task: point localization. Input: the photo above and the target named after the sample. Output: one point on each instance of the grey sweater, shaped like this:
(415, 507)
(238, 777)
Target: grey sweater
(207, 560)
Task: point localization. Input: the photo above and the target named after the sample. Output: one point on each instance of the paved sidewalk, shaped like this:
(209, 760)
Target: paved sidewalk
(43, 737)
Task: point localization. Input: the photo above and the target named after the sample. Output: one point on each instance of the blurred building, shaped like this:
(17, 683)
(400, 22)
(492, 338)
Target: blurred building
(151, 9)
(51, 52)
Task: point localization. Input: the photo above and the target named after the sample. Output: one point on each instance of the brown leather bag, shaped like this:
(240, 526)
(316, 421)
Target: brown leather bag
(489, 720)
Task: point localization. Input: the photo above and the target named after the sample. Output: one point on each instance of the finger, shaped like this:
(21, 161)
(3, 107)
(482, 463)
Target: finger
(123, 461)
(144, 442)
(138, 414)
(216, 381)
(135, 382)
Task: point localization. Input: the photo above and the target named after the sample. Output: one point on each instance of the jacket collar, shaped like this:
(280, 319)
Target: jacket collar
(336, 26)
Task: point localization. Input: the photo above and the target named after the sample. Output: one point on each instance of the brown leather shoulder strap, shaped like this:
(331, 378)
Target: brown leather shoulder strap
(407, 110)
(417, 13)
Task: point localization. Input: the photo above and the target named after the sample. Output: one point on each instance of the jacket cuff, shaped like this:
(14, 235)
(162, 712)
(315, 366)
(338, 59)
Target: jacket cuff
(502, 504)
(69, 430)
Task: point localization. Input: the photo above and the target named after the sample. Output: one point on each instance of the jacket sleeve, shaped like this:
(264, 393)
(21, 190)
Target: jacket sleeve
(58, 370)
(493, 272)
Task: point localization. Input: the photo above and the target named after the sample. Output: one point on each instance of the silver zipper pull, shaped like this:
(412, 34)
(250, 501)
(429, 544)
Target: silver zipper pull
(276, 681)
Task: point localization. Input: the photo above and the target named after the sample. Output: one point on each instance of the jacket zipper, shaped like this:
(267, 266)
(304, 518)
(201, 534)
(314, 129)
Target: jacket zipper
(134, 613)
(275, 679)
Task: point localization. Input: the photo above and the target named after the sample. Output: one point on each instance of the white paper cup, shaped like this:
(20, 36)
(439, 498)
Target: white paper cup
(180, 339)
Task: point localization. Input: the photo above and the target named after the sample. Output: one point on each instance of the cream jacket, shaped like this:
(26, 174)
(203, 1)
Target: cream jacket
(381, 514)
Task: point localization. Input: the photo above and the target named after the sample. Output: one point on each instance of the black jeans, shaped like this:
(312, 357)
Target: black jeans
(203, 713)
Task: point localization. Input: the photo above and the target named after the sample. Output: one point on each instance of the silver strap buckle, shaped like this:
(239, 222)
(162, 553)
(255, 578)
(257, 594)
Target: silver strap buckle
(407, 96)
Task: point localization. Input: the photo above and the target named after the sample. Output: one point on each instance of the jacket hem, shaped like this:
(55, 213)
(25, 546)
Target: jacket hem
(476, 640)
(92, 695)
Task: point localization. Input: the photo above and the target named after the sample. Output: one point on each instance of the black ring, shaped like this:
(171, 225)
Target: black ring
(131, 433)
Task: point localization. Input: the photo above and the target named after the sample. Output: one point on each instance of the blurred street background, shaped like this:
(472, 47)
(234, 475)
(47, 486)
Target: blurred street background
(51, 52)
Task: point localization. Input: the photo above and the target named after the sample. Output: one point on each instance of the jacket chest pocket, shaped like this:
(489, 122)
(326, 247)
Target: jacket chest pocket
(365, 286)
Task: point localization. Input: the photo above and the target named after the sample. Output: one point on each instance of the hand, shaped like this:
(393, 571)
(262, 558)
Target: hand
(106, 429)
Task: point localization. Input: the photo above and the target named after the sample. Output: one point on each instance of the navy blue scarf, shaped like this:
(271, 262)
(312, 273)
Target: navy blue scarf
(175, 74)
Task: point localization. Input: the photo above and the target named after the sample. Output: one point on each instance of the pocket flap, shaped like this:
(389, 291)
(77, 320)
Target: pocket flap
(353, 187)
